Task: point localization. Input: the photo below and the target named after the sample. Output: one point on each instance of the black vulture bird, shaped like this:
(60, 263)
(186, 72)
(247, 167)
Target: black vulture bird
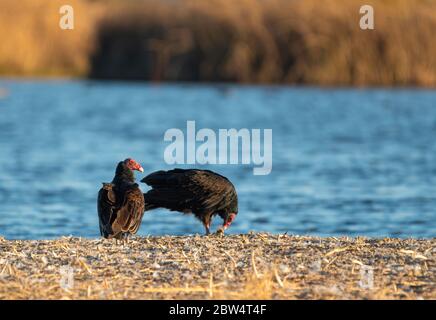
(121, 203)
(201, 192)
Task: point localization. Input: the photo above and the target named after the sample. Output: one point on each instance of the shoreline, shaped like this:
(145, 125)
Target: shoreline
(246, 266)
(183, 83)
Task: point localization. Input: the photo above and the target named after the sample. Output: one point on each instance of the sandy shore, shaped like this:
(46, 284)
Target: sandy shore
(250, 266)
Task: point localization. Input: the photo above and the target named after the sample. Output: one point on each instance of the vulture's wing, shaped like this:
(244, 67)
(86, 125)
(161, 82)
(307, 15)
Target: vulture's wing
(188, 190)
(129, 216)
(210, 189)
(106, 208)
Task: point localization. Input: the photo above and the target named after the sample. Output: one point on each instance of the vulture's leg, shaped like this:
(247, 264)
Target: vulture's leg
(207, 227)
(206, 222)
(119, 239)
(124, 238)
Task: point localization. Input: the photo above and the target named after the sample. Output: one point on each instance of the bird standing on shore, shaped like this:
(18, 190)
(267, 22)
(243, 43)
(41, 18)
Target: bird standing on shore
(121, 203)
(201, 192)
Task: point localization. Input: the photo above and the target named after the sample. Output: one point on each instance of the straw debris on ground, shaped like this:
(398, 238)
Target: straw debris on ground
(246, 266)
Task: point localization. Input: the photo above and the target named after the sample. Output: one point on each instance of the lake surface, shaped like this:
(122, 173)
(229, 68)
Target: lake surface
(345, 161)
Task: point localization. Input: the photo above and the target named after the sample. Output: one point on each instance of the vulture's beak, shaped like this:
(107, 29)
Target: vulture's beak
(140, 169)
(229, 221)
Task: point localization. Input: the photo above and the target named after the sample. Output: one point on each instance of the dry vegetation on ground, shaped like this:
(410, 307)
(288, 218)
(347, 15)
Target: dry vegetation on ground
(250, 266)
(274, 41)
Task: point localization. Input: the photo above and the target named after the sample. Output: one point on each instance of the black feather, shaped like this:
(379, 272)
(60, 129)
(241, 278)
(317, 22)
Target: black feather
(120, 205)
(201, 192)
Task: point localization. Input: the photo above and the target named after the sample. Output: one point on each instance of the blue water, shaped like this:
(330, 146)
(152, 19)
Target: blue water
(345, 161)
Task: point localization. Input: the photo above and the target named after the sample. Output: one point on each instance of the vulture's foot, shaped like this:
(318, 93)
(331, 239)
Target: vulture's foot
(207, 229)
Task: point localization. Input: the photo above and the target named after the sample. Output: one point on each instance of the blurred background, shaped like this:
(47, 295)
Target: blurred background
(352, 111)
(251, 41)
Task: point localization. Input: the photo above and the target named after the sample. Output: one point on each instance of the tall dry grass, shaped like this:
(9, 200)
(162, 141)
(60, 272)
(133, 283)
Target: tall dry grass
(33, 44)
(260, 41)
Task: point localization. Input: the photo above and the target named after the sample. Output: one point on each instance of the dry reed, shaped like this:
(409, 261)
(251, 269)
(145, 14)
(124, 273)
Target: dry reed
(251, 266)
(274, 41)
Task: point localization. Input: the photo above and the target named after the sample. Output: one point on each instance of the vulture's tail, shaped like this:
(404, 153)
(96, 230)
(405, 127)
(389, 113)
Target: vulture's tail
(148, 205)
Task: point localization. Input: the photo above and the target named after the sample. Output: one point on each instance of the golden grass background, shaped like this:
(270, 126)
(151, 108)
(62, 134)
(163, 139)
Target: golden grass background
(249, 41)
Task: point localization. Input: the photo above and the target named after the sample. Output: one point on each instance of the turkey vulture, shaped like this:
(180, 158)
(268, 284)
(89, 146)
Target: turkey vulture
(121, 203)
(201, 192)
